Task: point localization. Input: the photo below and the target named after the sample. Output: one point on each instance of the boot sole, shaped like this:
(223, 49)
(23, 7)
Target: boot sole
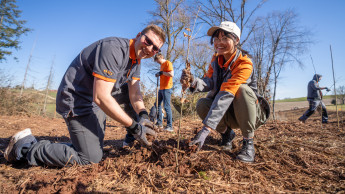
(14, 139)
(245, 161)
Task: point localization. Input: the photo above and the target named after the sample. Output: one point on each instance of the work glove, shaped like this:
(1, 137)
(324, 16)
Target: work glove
(144, 115)
(139, 130)
(159, 73)
(327, 89)
(200, 138)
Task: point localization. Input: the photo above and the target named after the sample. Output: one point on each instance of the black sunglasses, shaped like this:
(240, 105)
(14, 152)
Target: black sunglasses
(149, 42)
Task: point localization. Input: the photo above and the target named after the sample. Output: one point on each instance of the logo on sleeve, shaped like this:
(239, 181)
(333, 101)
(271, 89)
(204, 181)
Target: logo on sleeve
(108, 72)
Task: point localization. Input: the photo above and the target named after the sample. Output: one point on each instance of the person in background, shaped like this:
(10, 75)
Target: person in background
(232, 101)
(315, 99)
(102, 76)
(166, 75)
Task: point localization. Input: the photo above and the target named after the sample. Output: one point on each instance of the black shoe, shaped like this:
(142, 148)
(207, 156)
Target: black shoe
(247, 153)
(301, 120)
(22, 139)
(325, 122)
(227, 139)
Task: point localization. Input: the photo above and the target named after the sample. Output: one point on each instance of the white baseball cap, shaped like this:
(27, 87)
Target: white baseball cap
(228, 27)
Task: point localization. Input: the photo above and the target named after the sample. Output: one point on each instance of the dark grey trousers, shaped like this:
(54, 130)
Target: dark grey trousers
(87, 136)
(313, 105)
(244, 113)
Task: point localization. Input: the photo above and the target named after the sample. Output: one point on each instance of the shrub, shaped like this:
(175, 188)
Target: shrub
(12, 104)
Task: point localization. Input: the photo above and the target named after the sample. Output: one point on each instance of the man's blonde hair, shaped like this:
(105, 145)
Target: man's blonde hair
(158, 56)
(157, 30)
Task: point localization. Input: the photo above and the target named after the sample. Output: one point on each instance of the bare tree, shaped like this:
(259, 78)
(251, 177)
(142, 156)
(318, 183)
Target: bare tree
(171, 16)
(49, 83)
(201, 53)
(213, 12)
(257, 47)
(287, 42)
(277, 68)
(5, 79)
(341, 93)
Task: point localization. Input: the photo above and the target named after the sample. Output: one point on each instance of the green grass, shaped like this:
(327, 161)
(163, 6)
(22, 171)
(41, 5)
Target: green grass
(51, 108)
(52, 93)
(341, 107)
(292, 99)
(301, 99)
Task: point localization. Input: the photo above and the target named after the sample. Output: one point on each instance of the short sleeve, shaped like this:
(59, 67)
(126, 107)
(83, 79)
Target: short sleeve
(136, 73)
(108, 58)
(168, 67)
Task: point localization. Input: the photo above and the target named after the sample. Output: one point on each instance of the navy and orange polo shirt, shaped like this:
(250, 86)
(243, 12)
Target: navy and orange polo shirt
(112, 59)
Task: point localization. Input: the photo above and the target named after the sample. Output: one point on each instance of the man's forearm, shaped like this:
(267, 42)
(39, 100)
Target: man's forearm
(135, 97)
(138, 104)
(113, 110)
(169, 74)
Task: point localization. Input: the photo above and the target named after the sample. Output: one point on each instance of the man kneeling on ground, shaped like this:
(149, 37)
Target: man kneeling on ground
(103, 76)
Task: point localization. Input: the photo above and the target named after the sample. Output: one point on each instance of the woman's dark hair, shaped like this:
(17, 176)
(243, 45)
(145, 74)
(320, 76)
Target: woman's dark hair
(232, 37)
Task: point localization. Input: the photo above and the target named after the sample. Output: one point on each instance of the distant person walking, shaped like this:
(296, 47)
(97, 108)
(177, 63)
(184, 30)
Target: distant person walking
(315, 99)
(166, 75)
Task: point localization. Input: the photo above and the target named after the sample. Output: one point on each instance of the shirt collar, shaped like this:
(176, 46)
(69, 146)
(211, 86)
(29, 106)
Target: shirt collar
(221, 60)
(132, 51)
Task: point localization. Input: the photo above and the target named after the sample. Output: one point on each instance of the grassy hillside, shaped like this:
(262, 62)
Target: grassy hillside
(302, 99)
(31, 102)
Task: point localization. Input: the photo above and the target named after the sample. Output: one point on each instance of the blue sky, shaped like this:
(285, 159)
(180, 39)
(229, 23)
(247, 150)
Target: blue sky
(63, 28)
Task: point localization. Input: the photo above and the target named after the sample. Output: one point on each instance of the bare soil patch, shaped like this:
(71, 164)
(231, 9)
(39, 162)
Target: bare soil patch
(290, 157)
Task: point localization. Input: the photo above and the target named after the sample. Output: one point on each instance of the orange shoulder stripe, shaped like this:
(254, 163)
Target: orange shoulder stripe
(103, 78)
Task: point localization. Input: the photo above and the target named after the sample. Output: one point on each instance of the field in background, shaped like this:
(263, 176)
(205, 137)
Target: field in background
(38, 98)
(30, 102)
(302, 99)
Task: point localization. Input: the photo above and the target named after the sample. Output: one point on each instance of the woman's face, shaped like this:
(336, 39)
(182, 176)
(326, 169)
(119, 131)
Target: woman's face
(224, 45)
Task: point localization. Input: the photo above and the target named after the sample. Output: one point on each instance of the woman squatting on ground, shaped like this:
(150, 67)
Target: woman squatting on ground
(232, 100)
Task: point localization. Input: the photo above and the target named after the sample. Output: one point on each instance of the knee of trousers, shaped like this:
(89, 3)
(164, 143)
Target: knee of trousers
(203, 106)
(94, 157)
(245, 109)
(245, 94)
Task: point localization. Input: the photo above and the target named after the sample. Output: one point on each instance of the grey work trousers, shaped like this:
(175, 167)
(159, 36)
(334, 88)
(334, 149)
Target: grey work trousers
(244, 112)
(87, 136)
(313, 105)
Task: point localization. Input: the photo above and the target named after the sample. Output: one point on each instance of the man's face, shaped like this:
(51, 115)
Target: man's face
(147, 45)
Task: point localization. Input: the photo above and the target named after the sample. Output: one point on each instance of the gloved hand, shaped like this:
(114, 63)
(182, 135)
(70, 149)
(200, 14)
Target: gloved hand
(159, 73)
(139, 130)
(200, 138)
(327, 89)
(144, 115)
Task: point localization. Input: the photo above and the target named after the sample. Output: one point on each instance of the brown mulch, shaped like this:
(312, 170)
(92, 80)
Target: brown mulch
(290, 157)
